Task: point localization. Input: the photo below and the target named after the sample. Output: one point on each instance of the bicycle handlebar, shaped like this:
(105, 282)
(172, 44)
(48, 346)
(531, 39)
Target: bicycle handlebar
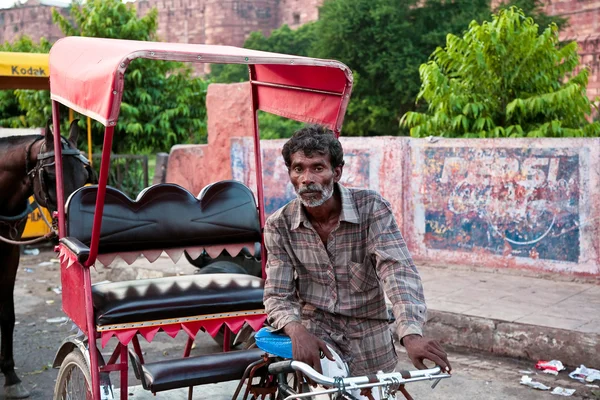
(357, 382)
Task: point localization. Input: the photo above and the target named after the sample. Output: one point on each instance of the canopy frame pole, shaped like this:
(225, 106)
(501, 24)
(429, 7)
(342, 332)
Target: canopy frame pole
(60, 195)
(102, 182)
(258, 161)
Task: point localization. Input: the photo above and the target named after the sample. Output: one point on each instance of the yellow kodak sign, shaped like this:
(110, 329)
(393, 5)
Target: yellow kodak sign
(24, 64)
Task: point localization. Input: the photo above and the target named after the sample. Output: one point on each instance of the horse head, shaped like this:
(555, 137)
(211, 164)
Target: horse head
(77, 170)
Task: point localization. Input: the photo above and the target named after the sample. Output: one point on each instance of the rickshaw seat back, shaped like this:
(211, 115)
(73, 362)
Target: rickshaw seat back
(165, 216)
(157, 301)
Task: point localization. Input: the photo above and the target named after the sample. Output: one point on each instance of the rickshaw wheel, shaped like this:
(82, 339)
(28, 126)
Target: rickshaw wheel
(74, 381)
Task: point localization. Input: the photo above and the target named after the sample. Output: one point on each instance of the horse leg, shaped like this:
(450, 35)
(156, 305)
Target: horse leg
(13, 387)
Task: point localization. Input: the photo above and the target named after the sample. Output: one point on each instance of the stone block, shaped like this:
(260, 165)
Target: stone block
(514, 339)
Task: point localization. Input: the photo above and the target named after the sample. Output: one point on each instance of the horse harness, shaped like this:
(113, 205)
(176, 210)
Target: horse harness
(39, 172)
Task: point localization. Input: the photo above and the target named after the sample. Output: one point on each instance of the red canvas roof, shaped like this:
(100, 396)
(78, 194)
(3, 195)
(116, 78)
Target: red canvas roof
(86, 74)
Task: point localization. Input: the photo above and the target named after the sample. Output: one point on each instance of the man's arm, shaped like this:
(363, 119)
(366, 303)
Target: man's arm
(282, 303)
(402, 284)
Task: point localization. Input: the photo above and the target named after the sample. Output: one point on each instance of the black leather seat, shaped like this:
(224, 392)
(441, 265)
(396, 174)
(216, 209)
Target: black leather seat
(192, 371)
(175, 297)
(166, 216)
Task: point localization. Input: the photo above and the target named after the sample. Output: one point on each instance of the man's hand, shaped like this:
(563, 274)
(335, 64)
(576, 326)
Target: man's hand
(419, 349)
(306, 347)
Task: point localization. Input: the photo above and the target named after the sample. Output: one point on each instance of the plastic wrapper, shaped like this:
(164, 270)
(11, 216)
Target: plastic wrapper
(560, 391)
(527, 381)
(552, 367)
(584, 374)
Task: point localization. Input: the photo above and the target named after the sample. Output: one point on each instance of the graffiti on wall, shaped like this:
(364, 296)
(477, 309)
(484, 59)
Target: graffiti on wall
(508, 201)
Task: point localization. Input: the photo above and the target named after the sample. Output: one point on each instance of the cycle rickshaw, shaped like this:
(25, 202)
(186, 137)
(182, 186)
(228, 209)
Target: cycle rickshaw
(97, 223)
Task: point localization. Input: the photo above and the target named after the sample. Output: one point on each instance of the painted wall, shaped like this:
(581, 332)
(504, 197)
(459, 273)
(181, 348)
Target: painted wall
(527, 203)
(364, 167)
(505, 203)
(500, 203)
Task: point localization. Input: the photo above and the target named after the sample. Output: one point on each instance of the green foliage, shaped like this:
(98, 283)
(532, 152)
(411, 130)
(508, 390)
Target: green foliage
(276, 127)
(503, 79)
(385, 42)
(163, 104)
(25, 108)
(533, 8)
(127, 173)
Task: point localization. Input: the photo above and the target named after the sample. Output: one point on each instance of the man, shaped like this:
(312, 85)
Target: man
(332, 252)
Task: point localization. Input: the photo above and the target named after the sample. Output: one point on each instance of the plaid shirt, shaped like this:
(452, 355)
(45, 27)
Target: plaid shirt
(335, 290)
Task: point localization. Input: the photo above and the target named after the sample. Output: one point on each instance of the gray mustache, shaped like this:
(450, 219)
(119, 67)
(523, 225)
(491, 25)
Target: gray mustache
(313, 187)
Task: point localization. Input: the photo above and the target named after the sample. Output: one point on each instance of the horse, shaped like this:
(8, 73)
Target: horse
(27, 167)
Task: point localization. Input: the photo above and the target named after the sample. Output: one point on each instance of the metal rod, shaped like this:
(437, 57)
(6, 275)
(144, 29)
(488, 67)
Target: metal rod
(226, 338)
(60, 193)
(301, 89)
(114, 355)
(91, 330)
(102, 181)
(111, 368)
(145, 161)
(365, 386)
(124, 384)
(137, 348)
(258, 160)
(188, 347)
(89, 140)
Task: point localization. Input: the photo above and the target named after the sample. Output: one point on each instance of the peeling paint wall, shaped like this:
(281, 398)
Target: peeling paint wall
(527, 203)
(518, 203)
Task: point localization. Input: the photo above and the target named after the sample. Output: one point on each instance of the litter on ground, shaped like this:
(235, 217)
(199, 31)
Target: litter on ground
(527, 381)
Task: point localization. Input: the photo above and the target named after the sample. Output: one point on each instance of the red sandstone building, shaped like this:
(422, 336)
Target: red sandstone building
(231, 21)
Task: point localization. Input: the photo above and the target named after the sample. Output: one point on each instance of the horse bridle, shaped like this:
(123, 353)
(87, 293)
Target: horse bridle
(40, 173)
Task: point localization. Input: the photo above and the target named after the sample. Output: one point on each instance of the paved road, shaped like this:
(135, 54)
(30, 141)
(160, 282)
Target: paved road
(476, 376)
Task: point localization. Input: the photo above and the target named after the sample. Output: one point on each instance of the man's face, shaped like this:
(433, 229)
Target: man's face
(313, 178)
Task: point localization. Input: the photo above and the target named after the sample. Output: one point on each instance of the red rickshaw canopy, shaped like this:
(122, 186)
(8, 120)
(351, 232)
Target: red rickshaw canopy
(87, 75)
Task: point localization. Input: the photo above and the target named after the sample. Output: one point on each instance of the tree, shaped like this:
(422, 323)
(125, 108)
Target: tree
(385, 42)
(163, 104)
(533, 8)
(503, 79)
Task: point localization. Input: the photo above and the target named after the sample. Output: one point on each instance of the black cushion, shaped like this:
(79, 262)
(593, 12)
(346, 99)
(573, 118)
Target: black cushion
(200, 370)
(166, 216)
(175, 297)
